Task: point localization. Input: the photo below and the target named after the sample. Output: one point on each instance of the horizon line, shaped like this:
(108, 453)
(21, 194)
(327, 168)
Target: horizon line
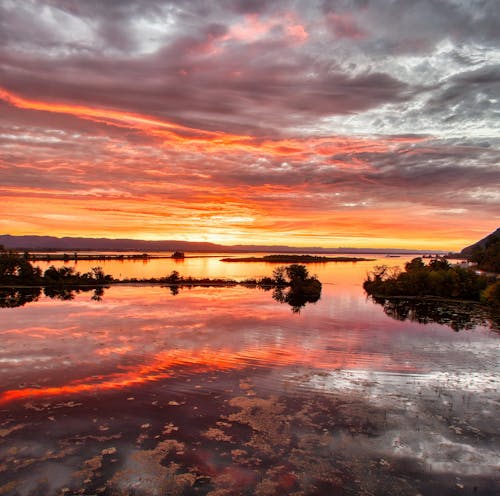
(238, 245)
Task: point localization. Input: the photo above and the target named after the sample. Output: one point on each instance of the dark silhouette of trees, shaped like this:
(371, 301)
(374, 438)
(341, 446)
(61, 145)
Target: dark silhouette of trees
(14, 268)
(291, 284)
(67, 276)
(296, 273)
(55, 276)
(97, 274)
(298, 289)
(279, 276)
(438, 279)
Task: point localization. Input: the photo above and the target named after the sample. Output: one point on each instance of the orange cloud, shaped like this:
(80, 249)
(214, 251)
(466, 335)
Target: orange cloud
(195, 184)
(208, 141)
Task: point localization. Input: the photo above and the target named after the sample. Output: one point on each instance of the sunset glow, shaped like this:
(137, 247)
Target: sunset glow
(306, 124)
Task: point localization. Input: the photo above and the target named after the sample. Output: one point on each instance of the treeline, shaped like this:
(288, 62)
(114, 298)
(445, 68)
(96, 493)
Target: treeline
(439, 279)
(16, 270)
(293, 284)
(175, 279)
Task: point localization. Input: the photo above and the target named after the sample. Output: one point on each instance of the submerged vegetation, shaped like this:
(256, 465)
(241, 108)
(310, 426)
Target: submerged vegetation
(437, 279)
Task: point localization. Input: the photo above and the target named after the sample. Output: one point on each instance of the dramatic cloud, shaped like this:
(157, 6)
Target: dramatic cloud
(311, 123)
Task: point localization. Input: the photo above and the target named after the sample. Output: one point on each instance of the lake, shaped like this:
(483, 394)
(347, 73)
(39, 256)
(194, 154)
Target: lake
(226, 391)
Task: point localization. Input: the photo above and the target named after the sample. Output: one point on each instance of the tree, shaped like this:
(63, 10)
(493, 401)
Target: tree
(296, 273)
(173, 278)
(53, 274)
(9, 262)
(439, 264)
(28, 273)
(99, 275)
(301, 289)
(15, 268)
(415, 265)
(279, 276)
(491, 295)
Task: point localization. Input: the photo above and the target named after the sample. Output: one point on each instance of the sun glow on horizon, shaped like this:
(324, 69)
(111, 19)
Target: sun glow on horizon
(245, 131)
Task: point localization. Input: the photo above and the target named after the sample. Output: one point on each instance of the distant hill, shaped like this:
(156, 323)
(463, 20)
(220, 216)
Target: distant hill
(52, 243)
(485, 253)
(468, 250)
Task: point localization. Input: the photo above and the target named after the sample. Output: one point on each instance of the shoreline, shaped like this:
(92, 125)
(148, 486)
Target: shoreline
(47, 257)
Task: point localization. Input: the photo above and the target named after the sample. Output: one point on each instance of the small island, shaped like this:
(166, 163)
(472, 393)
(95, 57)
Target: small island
(284, 258)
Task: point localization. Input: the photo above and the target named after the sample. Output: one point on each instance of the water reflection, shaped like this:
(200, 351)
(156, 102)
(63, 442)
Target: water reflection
(221, 391)
(295, 298)
(18, 297)
(202, 265)
(457, 315)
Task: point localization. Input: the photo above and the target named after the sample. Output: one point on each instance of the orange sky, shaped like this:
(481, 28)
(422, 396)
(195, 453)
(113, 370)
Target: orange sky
(200, 136)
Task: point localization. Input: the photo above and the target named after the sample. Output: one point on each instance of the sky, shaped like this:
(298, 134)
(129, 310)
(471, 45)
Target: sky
(330, 123)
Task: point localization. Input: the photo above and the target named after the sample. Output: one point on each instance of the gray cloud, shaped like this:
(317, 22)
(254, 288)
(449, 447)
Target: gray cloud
(372, 70)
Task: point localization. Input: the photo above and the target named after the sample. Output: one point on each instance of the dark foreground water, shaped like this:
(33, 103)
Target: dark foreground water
(224, 391)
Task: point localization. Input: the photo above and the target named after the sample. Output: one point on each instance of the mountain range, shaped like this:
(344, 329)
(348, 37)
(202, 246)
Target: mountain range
(52, 243)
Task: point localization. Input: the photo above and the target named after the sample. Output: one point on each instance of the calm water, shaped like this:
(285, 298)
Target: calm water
(201, 264)
(224, 391)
